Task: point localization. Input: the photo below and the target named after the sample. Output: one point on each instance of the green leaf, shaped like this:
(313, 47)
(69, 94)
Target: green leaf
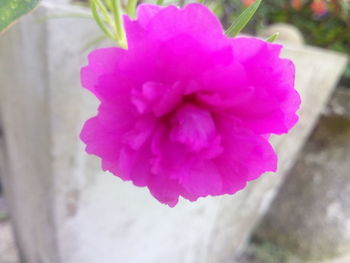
(273, 37)
(12, 10)
(119, 24)
(100, 22)
(243, 19)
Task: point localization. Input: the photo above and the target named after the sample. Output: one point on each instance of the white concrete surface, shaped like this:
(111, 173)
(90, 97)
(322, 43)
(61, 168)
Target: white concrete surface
(8, 250)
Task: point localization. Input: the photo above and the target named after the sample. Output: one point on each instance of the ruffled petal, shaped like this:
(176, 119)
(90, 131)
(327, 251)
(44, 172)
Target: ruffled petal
(103, 143)
(257, 88)
(202, 179)
(99, 140)
(246, 156)
(194, 20)
(102, 61)
(193, 127)
(135, 165)
(146, 12)
(166, 190)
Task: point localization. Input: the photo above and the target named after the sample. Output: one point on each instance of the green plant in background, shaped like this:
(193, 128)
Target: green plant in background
(329, 30)
(12, 10)
(323, 23)
(265, 252)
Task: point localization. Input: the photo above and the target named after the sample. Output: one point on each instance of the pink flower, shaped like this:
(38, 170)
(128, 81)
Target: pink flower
(248, 3)
(297, 4)
(186, 111)
(319, 7)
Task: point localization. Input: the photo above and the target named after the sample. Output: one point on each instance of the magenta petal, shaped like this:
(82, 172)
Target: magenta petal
(193, 127)
(99, 140)
(101, 62)
(165, 189)
(245, 157)
(169, 100)
(202, 180)
(275, 100)
(135, 166)
(195, 20)
(141, 132)
(104, 144)
(135, 29)
(249, 49)
(146, 12)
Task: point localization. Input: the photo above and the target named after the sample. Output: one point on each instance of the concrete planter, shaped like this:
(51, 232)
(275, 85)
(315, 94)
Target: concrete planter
(310, 217)
(65, 210)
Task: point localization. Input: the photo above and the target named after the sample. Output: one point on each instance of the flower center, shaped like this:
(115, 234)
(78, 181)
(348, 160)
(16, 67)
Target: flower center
(158, 98)
(193, 127)
(175, 106)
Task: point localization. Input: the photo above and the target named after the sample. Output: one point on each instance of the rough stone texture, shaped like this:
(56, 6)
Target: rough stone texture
(3, 210)
(342, 259)
(8, 251)
(3, 207)
(267, 253)
(311, 215)
(65, 210)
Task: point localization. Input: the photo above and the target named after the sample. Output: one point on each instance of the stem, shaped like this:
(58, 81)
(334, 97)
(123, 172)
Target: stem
(109, 4)
(131, 8)
(273, 37)
(105, 12)
(100, 22)
(117, 11)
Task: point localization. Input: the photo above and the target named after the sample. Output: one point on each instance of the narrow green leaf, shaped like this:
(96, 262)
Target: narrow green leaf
(160, 2)
(12, 10)
(100, 21)
(100, 5)
(243, 19)
(118, 21)
(273, 37)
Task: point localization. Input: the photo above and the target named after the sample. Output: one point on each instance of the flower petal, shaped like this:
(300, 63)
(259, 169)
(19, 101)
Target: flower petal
(193, 127)
(101, 62)
(202, 179)
(245, 156)
(260, 78)
(195, 20)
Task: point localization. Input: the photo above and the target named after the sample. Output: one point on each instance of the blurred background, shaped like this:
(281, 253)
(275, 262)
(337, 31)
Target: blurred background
(303, 216)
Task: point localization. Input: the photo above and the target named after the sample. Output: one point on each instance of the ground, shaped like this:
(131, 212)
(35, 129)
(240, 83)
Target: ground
(256, 253)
